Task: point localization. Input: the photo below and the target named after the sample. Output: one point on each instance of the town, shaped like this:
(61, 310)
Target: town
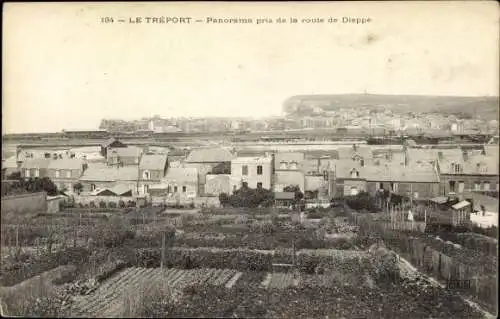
(296, 212)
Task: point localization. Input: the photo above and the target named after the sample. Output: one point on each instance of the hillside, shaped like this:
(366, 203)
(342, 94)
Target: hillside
(485, 107)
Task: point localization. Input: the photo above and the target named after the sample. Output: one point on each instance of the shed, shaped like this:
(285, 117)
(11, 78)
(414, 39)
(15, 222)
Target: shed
(284, 199)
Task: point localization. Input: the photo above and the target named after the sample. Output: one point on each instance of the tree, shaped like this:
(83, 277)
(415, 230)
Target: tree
(78, 188)
(224, 199)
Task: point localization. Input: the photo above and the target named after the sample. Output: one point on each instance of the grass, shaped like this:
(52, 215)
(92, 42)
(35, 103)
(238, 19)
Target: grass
(145, 300)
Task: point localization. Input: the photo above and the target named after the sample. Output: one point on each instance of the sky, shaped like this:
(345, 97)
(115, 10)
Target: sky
(64, 69)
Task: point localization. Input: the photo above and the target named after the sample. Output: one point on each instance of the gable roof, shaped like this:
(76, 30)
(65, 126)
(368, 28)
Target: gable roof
(153, 162)
(36, 163)
(210, 155)
(182, 174)
(99, 172)
(349, 152)
(120, 189)
(66, 163)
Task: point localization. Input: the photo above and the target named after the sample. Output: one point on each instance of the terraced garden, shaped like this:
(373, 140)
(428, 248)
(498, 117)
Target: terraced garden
(107, 300)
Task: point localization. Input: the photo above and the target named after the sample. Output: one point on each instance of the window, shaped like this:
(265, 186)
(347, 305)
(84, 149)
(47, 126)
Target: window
(458, 169)
(37, 172)
(169, 189)
(452, 186)
(244, 170)
(92, 187)
(259, 169)
(477, 186)
(175, 189)
(486, 186)
(183, 189)
(394, 187)
(58, 173)
(283, 165)
(461, 186)
(478, 167)
(354, 191)
(293, 165)
(145, 189)
(146, 175)
(354, 173)
(68, 174)
(244, 185)
(68, 186)
(259, 185)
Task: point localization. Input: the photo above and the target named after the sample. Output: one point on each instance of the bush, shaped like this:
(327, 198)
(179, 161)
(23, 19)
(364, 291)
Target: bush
(92, 204)
(131, 203)
(102, 204)
(112, 205)
(121, 204)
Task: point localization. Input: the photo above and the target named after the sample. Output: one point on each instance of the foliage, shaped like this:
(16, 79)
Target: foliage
(362, 201)
(92, 204)
(252, 198)
(102, 204)
(295, 189)
(78, 187)
(112, 205)
(224, 199)
(121, 204)
(31, 185)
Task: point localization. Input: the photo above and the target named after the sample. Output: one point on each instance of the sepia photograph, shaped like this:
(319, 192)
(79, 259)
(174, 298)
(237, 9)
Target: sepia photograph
(315, 160)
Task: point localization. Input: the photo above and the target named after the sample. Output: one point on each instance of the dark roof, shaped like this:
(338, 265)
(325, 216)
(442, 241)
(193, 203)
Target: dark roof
(284, 195)
(112, 141)
(210, 155)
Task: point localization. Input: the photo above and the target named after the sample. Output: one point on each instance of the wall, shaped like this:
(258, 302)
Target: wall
(182, 200)
(86, 199)
(287, 178)
(25, 204)
(424, 190)
(43, 172)
(75, 173)
(216, 184)
(155, 175)
(468, 180)
(53, 205)
(252, 178)
(343, 187)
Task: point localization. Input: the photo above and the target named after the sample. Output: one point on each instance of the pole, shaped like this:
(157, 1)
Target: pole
(162, 251)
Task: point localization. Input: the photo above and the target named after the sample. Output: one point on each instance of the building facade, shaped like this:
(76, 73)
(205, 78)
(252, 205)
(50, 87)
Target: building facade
(253, 172)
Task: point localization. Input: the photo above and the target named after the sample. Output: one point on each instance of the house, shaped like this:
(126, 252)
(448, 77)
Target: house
(179, 182)
(112, 143)
(152, 168)
(461, 213)
(124, 156)
(35, 167)
(476, 173)
(103, 176)
(253, 172)
(217, 184)
(66, 172)
(417, 182)
(348, 178)
(288, 170)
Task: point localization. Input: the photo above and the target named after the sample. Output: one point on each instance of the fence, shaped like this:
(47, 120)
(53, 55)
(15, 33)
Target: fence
(88, 199)
(483, 283)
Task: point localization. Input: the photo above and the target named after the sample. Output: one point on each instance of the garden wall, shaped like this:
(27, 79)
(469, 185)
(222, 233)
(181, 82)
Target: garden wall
(24, 204)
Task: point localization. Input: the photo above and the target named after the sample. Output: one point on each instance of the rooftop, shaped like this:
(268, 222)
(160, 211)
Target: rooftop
(100, 172)
(184, 174)
(260, 159)
(153, 162)
(66, 163)
(209, 155)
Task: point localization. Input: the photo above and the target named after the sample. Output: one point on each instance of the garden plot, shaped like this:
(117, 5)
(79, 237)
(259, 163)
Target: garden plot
(107, 300)
(279, 281)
